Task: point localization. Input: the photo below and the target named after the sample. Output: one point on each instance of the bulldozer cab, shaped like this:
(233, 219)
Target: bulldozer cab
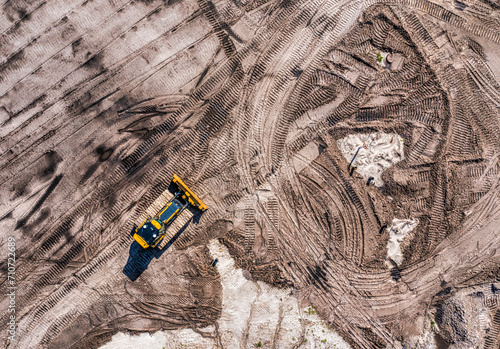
(148, 233)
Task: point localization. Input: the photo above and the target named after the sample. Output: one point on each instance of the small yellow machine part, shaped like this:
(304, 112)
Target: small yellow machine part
(158, 241)
(156, 224)
(140, 241)
(191, 197)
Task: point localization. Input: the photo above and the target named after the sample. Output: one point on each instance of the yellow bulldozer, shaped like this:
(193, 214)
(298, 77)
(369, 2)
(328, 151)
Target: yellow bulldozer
(165, 220)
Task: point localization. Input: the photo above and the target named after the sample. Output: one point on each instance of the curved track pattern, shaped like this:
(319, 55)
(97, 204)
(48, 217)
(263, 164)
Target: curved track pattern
(245, 100)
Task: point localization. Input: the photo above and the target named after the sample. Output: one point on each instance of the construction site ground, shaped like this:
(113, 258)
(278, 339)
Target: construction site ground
(259, 106)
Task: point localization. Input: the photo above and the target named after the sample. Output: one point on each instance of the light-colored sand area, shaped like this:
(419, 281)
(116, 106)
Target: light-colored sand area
(185, 338)
(399, 229)
(254, 314)
(377, 152)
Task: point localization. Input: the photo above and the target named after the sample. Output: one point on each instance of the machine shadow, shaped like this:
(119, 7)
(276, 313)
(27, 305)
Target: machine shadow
(140, 258)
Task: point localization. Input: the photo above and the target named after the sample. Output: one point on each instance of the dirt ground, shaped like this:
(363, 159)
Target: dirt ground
(253, 312)
(101, 102)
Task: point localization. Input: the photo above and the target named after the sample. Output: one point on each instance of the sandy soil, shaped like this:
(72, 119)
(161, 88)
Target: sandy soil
(398, 230)
(259, 106)
(186, 338)
(253, 312)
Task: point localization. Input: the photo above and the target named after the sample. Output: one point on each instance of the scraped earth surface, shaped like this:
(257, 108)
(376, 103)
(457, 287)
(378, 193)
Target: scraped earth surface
(101, 102)
(398, 231)
(253, 312)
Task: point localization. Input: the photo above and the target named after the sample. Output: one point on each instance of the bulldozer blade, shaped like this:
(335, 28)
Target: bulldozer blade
(191, 197)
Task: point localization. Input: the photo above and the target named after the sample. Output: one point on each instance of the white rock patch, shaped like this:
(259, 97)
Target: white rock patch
(259, 305)
(185, 338)
(126, 341)
(424, 341)
(377, 152)
(398, 230)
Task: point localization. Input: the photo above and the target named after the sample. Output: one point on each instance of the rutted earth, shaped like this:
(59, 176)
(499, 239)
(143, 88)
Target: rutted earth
(253, 314)
(259, 106)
